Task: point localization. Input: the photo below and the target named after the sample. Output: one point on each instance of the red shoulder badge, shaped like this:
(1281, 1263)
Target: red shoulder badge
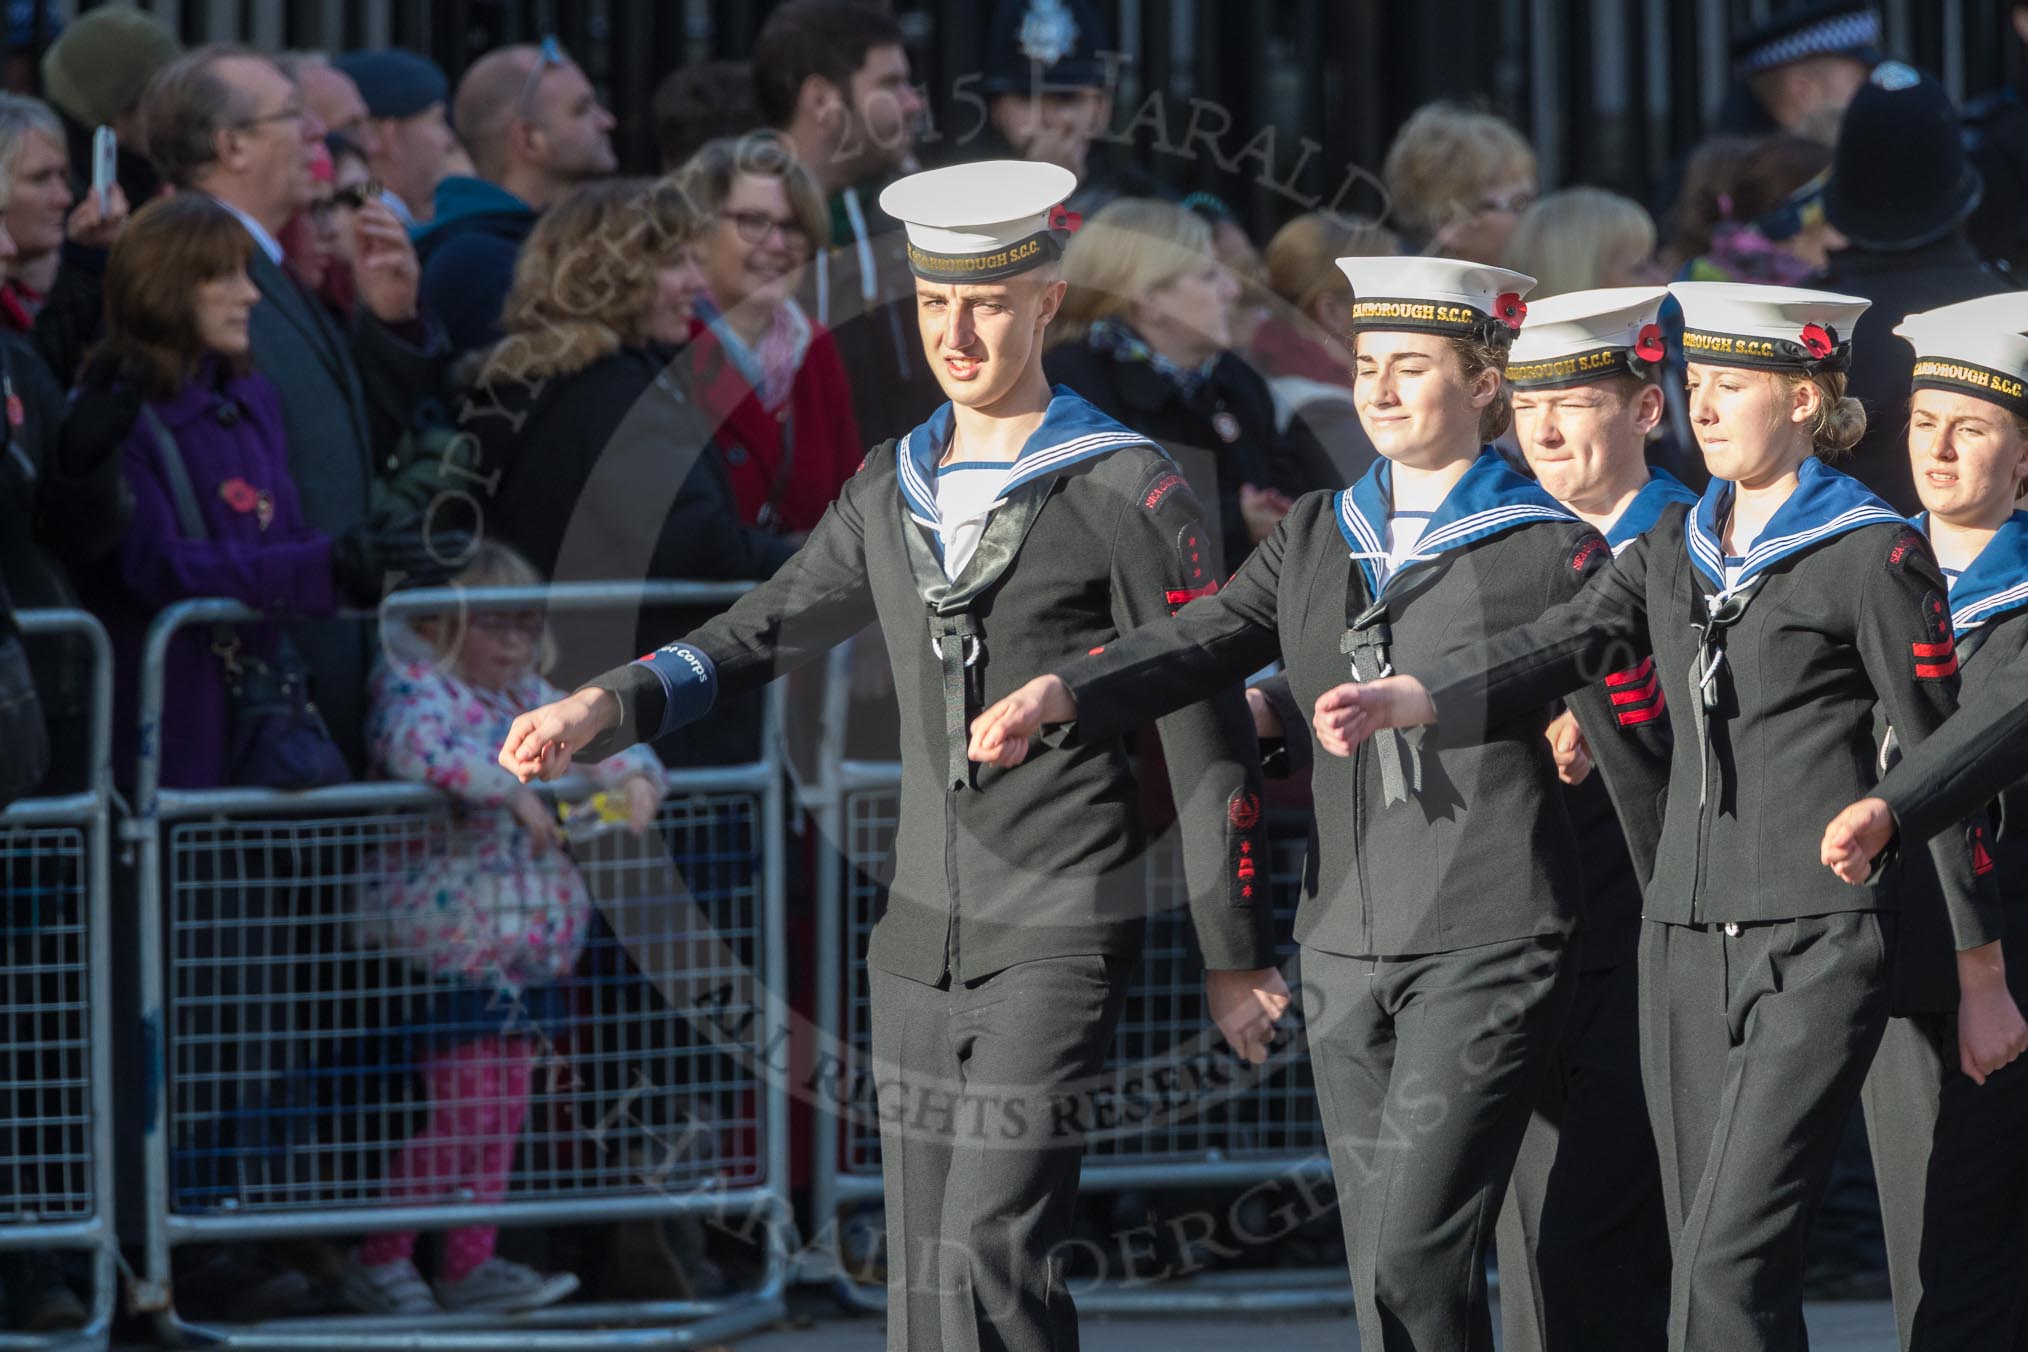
(1908, 546)
(1587, 552)
(1937, 657)
(1151, 500)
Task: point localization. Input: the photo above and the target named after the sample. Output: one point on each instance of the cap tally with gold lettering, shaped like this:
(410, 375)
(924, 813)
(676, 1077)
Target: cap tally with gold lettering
(984, 221)
(1768, 328)
(1582, 336)
(1976, 347)
(1447, 296)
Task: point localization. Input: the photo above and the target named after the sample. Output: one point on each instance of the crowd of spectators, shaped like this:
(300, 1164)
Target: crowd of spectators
(330, 293)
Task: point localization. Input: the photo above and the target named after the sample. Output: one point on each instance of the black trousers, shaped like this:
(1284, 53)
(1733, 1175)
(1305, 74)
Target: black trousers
(984, 1093)
(1951, 1158)
(1427, 1069)
(1583, 1237)
(1755, 1040)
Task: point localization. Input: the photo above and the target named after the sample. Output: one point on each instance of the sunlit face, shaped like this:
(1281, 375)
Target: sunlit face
(1968, 455)
(678, 284)
(885, 106)
(1191, 312)
(1480, 229)
(1750, 424)
(753, 252)
(492, 649)
(223, 307)
(982, 339)
(1582, 440)
(1414, 399)
(41, 201)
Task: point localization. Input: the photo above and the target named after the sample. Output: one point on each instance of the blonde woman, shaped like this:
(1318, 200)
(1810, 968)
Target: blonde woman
(608, 469)
(1302, 346)
(1457, 180)
(1145, 334)
(1583, 239)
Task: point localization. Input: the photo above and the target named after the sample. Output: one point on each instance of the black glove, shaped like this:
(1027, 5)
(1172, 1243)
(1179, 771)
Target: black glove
(99, 418)
(368, 560)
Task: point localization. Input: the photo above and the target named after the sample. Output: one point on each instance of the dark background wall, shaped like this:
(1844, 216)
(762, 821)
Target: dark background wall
(1272, 104)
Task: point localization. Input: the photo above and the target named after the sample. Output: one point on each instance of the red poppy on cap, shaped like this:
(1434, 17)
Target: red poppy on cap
(1063, 218)
(1819, 340)
(1509, 310)
(1648, 345)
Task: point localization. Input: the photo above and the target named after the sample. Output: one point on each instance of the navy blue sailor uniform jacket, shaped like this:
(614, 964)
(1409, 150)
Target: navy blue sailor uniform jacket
(1416, 849)
(1615, 814)
(1989, 623)
(1095, 532)
(1781, 681)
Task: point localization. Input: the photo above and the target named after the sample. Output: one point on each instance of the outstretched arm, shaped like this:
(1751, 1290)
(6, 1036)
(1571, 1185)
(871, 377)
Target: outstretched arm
(1215, 641)
(819, 598)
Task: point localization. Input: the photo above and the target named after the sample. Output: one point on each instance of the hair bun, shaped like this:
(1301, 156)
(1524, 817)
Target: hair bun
(1843, 424)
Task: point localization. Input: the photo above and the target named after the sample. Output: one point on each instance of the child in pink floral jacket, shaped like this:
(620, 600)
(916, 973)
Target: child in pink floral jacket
(495, 914)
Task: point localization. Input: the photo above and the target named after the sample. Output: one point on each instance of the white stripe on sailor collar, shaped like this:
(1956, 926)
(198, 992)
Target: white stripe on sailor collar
(1996, 582)
(1490, 498)
(1825, 504)
(1071, 430)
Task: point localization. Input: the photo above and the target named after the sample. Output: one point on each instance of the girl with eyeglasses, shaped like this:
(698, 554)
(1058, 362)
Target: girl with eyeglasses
(491, 919)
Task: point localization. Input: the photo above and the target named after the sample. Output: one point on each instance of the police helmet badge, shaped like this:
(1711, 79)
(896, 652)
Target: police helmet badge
(1048, 32)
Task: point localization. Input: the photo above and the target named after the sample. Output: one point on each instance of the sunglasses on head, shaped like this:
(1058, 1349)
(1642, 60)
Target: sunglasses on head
(548, 56)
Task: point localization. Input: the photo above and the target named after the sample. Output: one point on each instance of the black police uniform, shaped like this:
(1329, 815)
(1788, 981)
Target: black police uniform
(1018, 897)
(1441, 885)
(1764, 981)
(1947, 1153)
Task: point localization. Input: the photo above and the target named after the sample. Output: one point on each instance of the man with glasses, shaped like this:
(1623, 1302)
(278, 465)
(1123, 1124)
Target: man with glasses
(408, 140)
(535, 129)
(225, 121)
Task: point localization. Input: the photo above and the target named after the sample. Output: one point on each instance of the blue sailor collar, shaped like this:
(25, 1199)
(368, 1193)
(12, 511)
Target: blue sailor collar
(1489, 499)
(1824, 506)
(1071, 430)
(1995, 582)
(1661, 489)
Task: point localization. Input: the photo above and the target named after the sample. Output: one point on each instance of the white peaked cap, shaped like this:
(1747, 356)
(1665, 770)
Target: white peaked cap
(1436, 295)
(1771, 328)
(982, 221)
(1976, 347)
(1588, 335)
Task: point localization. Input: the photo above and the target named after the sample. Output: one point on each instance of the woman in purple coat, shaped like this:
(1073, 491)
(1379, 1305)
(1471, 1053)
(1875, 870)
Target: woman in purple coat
(177, 304)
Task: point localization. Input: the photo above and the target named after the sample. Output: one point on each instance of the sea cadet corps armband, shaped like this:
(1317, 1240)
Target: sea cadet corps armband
(689, 685)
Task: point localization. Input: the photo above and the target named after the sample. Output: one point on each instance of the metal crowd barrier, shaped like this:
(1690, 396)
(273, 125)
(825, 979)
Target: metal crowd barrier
(1255, 1136)
(56, 1129)
(288, 1042)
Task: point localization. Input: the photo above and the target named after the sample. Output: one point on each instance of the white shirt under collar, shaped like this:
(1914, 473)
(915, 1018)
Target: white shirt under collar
(268, 243)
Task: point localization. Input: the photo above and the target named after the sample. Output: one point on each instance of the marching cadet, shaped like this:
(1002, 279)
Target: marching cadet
(1442, 883)
(1789, 615)
(1947, 1135)
(1583, 1238)
(1016, 528)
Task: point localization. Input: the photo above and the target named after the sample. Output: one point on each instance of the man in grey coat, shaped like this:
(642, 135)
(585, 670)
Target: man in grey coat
(226, 122)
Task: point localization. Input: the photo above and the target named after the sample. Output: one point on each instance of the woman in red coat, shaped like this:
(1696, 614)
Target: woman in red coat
(769, 372)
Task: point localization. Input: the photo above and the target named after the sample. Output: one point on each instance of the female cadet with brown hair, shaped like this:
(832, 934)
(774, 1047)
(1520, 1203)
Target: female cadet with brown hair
(1946, 1135)
(1442, 883)
(1791, 615)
